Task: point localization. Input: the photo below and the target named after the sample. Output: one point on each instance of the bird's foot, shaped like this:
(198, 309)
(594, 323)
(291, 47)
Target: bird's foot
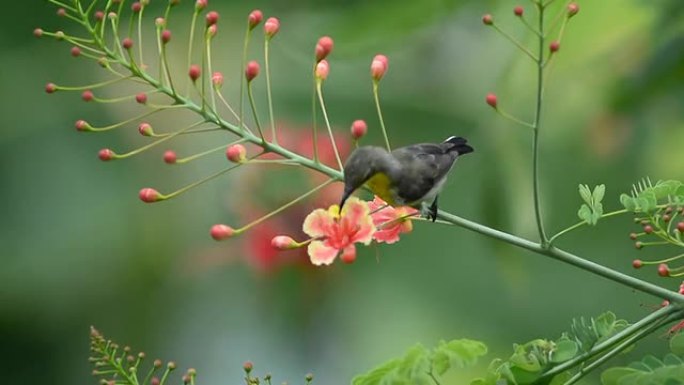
(429, 212)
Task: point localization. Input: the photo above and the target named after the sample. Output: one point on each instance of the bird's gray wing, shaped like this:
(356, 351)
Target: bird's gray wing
(423, 165)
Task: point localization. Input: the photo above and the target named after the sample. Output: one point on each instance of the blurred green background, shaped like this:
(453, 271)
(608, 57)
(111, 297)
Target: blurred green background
(78, 248)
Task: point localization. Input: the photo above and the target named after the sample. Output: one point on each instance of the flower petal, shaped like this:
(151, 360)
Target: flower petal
(348, 254)
(318, 223)
(355, 215)
(365, 230)
(389, 235)
(321, 254)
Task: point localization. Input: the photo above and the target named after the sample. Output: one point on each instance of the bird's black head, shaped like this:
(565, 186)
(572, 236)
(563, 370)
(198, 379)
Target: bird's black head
(362, 164)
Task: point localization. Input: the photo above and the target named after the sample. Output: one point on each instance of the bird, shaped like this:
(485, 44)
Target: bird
(412, 176)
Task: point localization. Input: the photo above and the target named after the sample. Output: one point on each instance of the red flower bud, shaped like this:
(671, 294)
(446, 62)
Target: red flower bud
(252, 70)
(254, 18)
(554, 46)
(136, 7)
(680, 227)
(149, 195)
(322, 70)
(283, 242)
(637, 263)
(573, 8)
(236, 153)
(127, 43)
(212, 18)
(200, 5)
(166, 36)
(194, 72)
(61, 12)
(663, 270)
(271, 27)
(247, 366)
(217, 79)
(75, 51)
(170, 157)
(379, 66)
(105, 154)
(358, 129)
(99, 15)
(212, 30)
(145, 129)
(37, 32)
(487, 19)
(141, 98)
(518, 10)
(491, 100)
(324, 47)
(648, 229)
(87, 96)
(82, 125)
(221, 232)
(50, 88)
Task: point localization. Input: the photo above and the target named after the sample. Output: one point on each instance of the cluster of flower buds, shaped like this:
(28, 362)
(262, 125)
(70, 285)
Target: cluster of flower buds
(663, 227)
(109, 360)
(251, 379)
(540, 58)
(200, 91)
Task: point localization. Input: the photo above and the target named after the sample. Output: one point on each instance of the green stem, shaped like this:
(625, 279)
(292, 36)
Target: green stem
(242, 76)
(619, 349)
(319, 91)
(274, 138)
(254, 111)
(644, 323)
(566, 257)
(376, 96)
(314, 133)
(516, 42)
(580, 224)
(536, 125)
(191, 41)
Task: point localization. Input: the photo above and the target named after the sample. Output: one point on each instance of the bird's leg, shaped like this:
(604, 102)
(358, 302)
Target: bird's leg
(433, 209)
(429, 212)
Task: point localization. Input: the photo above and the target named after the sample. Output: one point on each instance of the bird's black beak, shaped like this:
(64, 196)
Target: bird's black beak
(347, 194)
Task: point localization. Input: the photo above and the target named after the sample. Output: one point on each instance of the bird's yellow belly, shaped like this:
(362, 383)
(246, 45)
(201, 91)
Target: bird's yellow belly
(381, 186)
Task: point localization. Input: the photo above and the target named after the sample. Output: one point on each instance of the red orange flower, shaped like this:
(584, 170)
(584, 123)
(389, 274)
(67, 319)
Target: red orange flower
(335, 233)
(390, 221)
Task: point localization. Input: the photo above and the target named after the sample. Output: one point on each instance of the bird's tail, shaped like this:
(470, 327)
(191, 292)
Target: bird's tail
(459, 145)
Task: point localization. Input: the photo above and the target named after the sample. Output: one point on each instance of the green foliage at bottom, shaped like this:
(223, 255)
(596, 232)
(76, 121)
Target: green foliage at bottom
(651, 370)
(421, 366)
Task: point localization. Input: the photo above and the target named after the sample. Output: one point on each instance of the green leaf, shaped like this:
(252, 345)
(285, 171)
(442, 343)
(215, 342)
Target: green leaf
(565, 349)
(457, 353)
(652, 362)
(628, 202)
(613, 376)
(585, 193)
(561, 379)
(415, 366)
(378, 375)
(522, 376)
(677, 344)
(671, 359)
(598, 194)
(584, 213)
